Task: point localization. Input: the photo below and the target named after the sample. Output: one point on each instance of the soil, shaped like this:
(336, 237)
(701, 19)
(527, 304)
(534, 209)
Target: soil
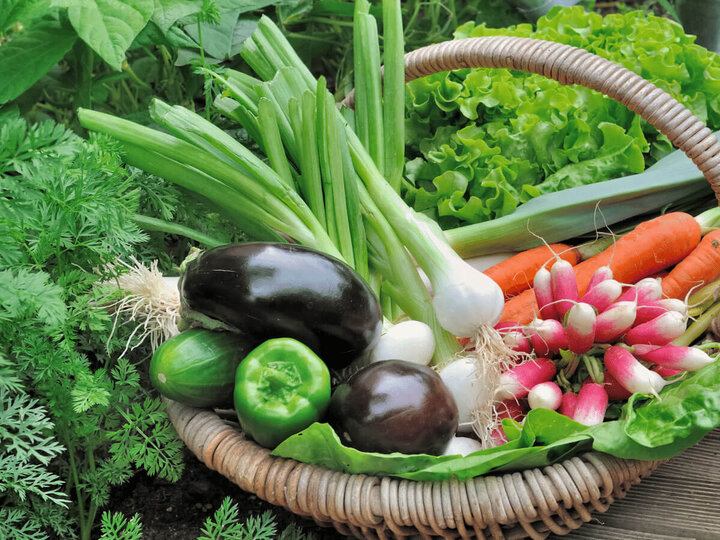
(177, 511)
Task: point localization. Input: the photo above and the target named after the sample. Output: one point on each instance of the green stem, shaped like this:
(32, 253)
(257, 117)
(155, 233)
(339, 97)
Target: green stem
(393, 93)
(698, 327)
(84, 530)
(709, 220)
(160, 225)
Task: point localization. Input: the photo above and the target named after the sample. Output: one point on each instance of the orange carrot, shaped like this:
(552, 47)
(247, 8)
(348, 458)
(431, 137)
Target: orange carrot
(697, 269)
(651, 247)
(516, 274)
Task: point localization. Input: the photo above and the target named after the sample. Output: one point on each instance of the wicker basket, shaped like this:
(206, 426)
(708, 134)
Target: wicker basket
(530, 503)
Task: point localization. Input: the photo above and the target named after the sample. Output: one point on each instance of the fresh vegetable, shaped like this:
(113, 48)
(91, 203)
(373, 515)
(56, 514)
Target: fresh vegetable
(614, 321)
(673, 357)
(462, 446)
(568, 404)
(269, 290)
(411, 341)
(602, 295)
(281, 388)
(513, 336)
(517, 273)
(697, 269)
(395, 406)
(517, 382)
(580, 328)
(630, 373)
(650, 310)
(542, 287)
(658, 331)
(591, 405)
(547, 337)
(613, 388)
(487, 142)
(467, 387)
(564, 286)
(197, 367)
(652, 246)
(601, 274)
(644, 291)
(545, 395)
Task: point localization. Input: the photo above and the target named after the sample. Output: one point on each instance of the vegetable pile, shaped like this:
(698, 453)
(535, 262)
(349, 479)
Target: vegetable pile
(343, 357)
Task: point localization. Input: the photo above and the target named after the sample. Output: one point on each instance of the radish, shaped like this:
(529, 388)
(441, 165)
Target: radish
(630, 373)
(547, 337)
(543, 294)
(674, 357)
(614, 389)
(645, 290)
(665, 372)
(603, 294)
(545, 395)
(659, 331)
(569, 402)
(649, 310)
(510, 408)
(591, 405)
(513, 337)
(411, 341)
(580, 328)
(614, 322)
(601, 274)
(564, 286)
(517, 382)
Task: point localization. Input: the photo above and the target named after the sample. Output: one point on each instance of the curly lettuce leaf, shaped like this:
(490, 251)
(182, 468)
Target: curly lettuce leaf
(550, 137)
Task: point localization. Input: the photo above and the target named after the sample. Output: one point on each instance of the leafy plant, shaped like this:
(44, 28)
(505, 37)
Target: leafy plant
(74, 418)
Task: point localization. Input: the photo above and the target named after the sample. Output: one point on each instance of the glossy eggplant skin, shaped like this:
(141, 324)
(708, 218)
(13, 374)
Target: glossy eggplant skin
(269, 290)
(394, 406)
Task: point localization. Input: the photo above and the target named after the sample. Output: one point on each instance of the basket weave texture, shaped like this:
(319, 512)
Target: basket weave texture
(531, 503)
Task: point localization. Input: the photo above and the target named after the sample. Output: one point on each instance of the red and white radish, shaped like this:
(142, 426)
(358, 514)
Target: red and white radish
(649, 310)
(630, 373)
(569, 402)
(659, 331)
(564, 286)
(547, 337)
(517, 382)
(591, 405)
(645, 290)
(510, 408)
(614, 322)
(603, 294)
(601, 274)
(514, 337)
(674, 357)
(665, 372)
(580, 327)
(545, 395)
(543, 294)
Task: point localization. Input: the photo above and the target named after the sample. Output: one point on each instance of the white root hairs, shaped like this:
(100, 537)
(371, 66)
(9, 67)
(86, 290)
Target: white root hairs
(492, 357)
(150, 301)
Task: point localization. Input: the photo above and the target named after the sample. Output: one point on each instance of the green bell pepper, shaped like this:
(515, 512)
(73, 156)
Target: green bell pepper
(281, 388)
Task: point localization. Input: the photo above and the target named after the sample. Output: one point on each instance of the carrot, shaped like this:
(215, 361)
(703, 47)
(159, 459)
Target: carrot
(651, 247)
(697, 269)
(516, 274)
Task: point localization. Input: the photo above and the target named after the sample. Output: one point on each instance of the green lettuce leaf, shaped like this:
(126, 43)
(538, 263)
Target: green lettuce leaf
(515, 136)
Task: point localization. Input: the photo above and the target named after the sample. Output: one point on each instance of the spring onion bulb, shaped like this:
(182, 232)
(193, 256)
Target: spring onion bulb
(462, 446)
(468, 388)
(411, 341)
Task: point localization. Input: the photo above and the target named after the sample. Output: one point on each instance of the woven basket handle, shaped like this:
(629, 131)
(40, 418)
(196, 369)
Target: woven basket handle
(571, 65)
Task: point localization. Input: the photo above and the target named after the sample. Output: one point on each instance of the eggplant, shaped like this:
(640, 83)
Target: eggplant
(272, 290)
(394, 406)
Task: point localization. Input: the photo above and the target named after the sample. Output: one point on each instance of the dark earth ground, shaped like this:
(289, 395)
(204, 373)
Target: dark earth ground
(177, 511)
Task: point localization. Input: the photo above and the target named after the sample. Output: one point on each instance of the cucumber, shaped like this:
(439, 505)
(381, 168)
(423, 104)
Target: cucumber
(198, 367)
